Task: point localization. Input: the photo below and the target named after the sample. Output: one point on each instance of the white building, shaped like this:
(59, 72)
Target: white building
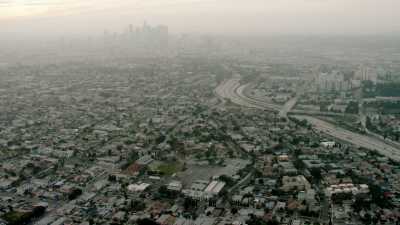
(215, 187)
(299, 183)
(175, 186)
(139, 187)
(334, 81)
(346, 188)
(328, 144)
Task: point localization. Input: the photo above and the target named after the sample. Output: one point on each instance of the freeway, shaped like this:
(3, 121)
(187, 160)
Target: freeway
(234, 91)
(354, 138)
(288, 107)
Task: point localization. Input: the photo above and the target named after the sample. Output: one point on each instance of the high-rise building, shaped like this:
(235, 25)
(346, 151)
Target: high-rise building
(333, 81)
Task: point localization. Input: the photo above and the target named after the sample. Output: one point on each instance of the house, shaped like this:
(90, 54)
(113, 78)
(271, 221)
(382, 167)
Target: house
(328, 144)
(175, 186)
(119, 216)
(298, 183)
(346, 188)
(307, 196)
(237, 200)
(215, 187)
(166, 219)
(287, 168)
(144, 160)
(138, 187)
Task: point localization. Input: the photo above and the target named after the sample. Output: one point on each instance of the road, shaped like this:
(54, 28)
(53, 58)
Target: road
(354, 138)
(288, 107)
(233, 90)
(241, 182)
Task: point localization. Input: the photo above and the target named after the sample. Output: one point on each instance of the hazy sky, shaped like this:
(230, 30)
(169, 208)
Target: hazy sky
(20, 17)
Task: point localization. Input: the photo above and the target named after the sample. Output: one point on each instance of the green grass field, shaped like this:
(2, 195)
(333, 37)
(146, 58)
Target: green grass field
(169, 168)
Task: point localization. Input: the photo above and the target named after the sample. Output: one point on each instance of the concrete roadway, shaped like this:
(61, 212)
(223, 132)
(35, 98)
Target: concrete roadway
(232, 90)
(354, 138)
(288, 107)
(228, 90)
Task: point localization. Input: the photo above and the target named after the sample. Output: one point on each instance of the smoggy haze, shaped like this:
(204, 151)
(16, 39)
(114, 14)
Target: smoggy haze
(63, 17)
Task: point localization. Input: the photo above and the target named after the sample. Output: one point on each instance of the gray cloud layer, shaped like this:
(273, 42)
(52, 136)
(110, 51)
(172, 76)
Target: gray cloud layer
(211, 16)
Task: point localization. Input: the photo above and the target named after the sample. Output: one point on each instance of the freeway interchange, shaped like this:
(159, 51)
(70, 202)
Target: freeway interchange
(234, 91)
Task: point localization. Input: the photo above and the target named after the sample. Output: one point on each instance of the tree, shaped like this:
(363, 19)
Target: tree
(198, 156)
(17, 218)
(146, 221)
(388, 89)
(298, 163)
(208, 154)
(297, 152)
(368, 124)
(323, 106)
(258, 221)
(189, 204)
(255, 221)
(137, 206)
(360, 204)
(128, 142)
(75, 192)
(228, 180)
(230, 153)
(377, 196)
(165, 193)
(112, 178)
(160, 139)
(38, 211)
(352, 107)
(234, 211)
(316, 173)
